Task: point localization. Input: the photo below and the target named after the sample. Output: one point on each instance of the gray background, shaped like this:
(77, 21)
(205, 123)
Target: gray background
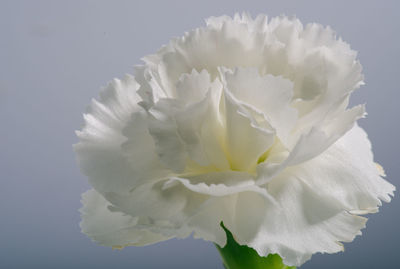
(55, 56)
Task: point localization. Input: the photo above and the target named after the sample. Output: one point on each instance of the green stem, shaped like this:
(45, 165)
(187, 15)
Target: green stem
(235, 256)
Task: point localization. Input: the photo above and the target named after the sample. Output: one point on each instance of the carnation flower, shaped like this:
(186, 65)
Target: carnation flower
(244, 121)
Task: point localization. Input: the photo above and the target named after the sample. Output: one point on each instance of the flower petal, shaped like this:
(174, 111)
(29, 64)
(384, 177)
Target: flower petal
(99, 151)
(324, 134)
(200, 125)
(162, 126)
(305, 222)
(239, 212)
(110, 228)
(219, 183)
(153, 203)
(245, 141)
(193, 87)
(189, 130)
(310, 145)
(351, 175)
(140, 151)
(319, 199)
(150, 89)
(269, 94)
(209, 48)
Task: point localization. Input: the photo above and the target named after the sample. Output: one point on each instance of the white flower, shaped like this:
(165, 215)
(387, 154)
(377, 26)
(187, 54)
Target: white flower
(243, 121)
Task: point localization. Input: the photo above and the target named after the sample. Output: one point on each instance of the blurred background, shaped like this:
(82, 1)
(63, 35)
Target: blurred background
(56, 55)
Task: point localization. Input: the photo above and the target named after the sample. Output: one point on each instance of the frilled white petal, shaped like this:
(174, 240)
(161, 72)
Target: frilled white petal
(207, 48)
(310, 145)
(162, 126)
(271, 95)
(352, 176)
(324, 134)
(189, 124)
(206, 223)
(199, 123)
(175, 199)
(241, 212)
(245, 142)
(108, 116)
(174, 207)
(189, 127)
(151, 201)
(193, 87)
(305, 222)
(202, 132)
(222, 184)
(319, 199)
(139, 151)
(99, 152)
(109, 228)
(150, 89)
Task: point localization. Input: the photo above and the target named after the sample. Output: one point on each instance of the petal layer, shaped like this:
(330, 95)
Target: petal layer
(109, 228)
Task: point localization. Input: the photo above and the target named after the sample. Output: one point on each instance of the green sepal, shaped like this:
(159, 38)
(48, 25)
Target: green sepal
(236, 256)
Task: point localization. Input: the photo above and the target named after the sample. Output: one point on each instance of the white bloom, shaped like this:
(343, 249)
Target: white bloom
(243, 121)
